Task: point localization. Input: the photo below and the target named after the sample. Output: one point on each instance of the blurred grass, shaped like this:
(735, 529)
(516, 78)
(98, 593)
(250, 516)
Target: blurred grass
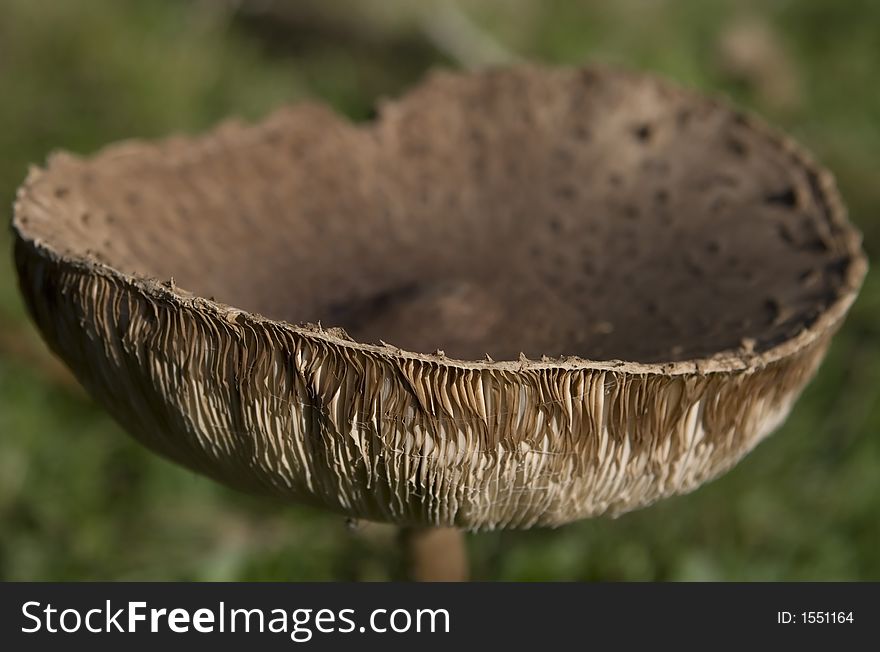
(80, 500)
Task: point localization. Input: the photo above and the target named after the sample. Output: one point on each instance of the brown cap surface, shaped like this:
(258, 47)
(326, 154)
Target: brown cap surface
(671, 269)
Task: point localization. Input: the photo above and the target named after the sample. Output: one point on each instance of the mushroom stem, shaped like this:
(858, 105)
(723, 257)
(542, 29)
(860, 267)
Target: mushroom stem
(434, 554)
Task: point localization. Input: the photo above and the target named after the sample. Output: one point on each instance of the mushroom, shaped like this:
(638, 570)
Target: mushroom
(517, 298)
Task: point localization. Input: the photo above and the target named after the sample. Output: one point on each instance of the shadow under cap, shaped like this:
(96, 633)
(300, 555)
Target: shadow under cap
(674, 268)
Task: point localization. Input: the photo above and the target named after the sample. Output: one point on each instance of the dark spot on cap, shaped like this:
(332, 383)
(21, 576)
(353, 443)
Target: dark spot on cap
(643, 132)
(786, 198)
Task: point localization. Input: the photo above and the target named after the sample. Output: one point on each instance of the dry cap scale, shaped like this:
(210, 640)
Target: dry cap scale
(518, 297)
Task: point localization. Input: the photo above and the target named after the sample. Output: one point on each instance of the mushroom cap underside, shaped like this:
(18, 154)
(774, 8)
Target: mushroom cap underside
(517, 297)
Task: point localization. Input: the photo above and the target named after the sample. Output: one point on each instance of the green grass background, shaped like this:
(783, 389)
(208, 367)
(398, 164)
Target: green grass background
(80, 500)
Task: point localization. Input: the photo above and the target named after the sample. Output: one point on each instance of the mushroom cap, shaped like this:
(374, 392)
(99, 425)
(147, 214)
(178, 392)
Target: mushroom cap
(517, 297)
